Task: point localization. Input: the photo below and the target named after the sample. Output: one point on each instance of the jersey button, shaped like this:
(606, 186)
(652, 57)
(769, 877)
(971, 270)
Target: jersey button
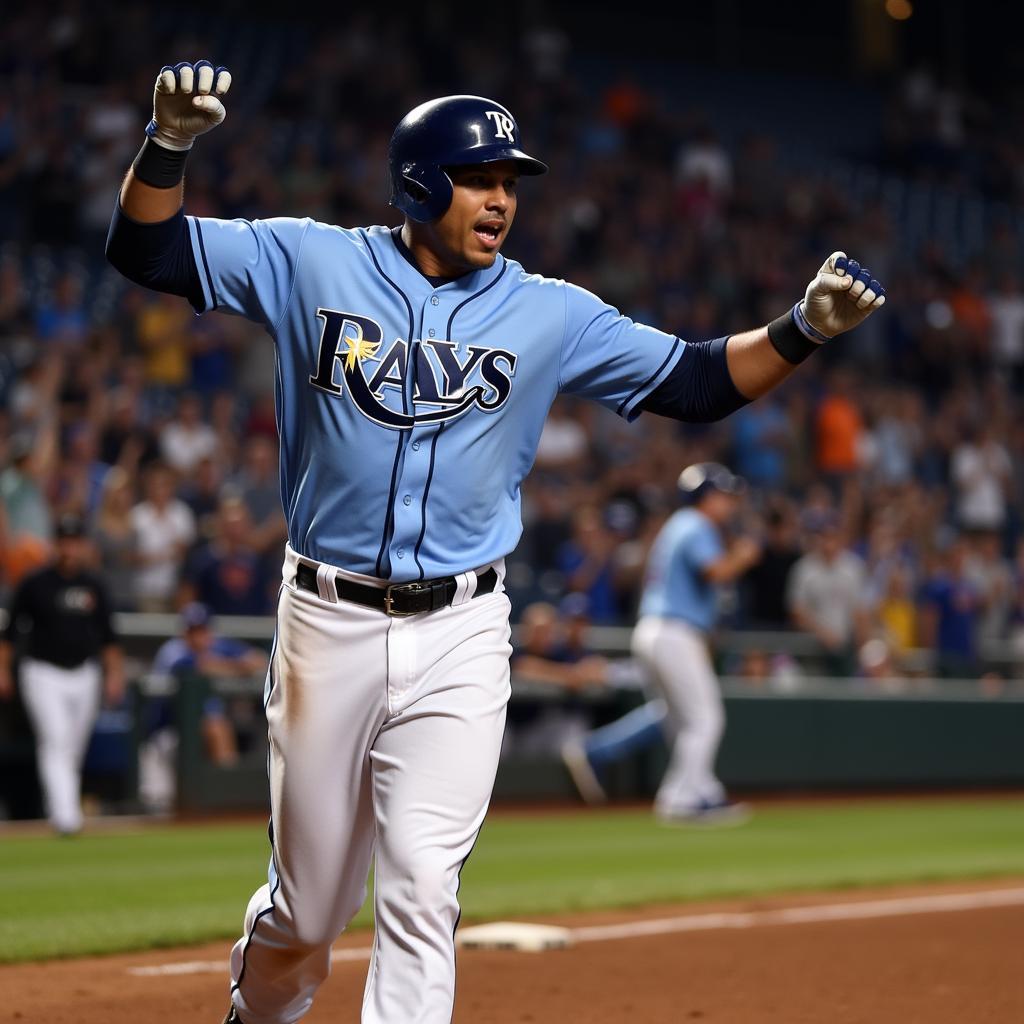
(434, 300)
(407, 500)
(415, 446)
(400, 552)
(431, 332)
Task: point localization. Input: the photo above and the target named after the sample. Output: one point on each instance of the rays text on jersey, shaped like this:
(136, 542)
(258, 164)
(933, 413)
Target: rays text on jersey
(447, 382)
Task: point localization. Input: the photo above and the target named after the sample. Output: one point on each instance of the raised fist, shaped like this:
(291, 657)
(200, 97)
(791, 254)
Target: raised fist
(186, 103)
(840, 297)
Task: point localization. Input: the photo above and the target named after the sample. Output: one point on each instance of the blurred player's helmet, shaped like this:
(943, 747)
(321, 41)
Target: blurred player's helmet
(695, 481)
(453, 131)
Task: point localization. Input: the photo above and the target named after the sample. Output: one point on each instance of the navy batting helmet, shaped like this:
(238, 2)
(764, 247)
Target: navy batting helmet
(454, 131)
(697, 480)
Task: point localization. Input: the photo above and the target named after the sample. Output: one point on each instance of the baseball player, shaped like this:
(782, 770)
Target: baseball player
(688, 563)
(415, 366)
(60, 614)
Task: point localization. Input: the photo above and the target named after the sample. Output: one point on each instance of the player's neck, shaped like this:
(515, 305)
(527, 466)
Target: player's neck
(418, 251)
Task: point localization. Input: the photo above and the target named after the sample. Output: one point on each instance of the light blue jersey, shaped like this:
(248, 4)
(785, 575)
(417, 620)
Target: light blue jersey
(675, 586)
(409, 414)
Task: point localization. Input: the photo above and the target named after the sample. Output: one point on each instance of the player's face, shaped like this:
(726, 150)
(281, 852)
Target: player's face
(470, 234)
(720, 507)
(72, 553)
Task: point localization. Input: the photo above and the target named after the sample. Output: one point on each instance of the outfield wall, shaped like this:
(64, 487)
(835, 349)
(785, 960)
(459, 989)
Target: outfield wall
(828, 736)
(818, 734)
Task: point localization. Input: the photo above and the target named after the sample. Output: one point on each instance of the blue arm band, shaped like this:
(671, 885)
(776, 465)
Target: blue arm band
(157, 256)
(699, 389)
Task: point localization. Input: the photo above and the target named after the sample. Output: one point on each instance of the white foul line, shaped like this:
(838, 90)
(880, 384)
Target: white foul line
(898, 907)
(938, 903)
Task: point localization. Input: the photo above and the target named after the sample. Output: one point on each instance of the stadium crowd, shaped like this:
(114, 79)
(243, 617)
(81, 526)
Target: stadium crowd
(887, 476)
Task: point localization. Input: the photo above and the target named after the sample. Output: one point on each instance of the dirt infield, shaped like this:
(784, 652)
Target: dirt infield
(864, 958)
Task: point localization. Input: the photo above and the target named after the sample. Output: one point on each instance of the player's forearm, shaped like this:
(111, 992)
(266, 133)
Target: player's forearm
(215, 665)
(255, 663)
(730, 566)
(754, 363)
(148, 205)
(149, 238)
(534, 669)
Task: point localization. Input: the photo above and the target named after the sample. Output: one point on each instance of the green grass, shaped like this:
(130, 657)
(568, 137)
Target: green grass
(165, 886)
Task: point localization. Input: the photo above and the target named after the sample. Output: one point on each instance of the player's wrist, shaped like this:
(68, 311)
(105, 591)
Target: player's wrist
(792, 341)
(158, 164)
(169, 139)
(806, 327)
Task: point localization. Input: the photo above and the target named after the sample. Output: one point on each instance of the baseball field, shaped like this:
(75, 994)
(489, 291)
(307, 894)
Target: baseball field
(897, 909)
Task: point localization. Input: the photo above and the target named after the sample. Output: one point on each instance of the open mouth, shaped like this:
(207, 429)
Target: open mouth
(489, 232)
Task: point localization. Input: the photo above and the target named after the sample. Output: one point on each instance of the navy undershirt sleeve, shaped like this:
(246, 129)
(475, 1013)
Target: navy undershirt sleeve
(157, 256)
(699, 388)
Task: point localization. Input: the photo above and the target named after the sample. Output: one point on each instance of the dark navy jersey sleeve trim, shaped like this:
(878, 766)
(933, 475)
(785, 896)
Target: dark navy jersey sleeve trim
(699, 389)
(650, 380)
(206, 267)
(157, 256)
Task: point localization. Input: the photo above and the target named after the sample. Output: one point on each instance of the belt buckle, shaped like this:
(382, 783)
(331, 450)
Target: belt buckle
(402, 588)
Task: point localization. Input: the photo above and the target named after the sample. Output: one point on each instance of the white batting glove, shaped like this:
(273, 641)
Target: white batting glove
(186, 103)
(840, 297)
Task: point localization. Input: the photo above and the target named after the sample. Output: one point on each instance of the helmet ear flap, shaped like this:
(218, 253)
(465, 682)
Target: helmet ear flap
(423, 192)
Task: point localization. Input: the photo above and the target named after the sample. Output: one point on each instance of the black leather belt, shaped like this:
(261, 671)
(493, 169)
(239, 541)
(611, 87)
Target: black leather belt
(397, 599)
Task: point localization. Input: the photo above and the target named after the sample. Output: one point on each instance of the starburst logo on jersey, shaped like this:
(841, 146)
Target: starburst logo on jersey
(358, 346)
(447, 380)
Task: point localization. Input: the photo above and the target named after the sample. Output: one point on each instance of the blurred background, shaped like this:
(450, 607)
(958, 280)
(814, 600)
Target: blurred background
(703, 163)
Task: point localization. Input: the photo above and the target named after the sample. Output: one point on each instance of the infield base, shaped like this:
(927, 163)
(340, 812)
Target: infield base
(517, 935)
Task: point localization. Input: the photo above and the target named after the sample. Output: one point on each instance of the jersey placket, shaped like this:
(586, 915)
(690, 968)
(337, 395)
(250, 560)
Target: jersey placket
(414, 477)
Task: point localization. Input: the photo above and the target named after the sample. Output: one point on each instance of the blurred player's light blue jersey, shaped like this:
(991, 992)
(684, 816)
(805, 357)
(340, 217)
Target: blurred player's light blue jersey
(409, 414)
(675, 586)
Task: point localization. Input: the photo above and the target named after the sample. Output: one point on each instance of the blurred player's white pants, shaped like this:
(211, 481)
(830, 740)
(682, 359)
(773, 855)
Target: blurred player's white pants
(62, 704)
(384, 742)
(676, 655)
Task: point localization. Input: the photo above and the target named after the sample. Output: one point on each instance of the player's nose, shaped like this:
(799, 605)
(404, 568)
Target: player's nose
(497, 202)
(497, 199)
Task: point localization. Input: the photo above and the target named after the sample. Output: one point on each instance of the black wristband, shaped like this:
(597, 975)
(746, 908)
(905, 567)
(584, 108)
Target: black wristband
(790, 342)
(158, 166)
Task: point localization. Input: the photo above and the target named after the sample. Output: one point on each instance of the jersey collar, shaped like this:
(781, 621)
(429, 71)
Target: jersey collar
(471, 281)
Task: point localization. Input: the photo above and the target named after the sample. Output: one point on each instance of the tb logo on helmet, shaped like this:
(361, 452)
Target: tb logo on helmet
(503, 125)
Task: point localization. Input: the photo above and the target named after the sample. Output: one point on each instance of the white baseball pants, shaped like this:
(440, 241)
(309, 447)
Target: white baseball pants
(384, 742)
(62, 704)
(676, 655)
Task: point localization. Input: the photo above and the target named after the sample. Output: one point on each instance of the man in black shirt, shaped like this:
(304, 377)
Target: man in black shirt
(764, 587)
(60, 620)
